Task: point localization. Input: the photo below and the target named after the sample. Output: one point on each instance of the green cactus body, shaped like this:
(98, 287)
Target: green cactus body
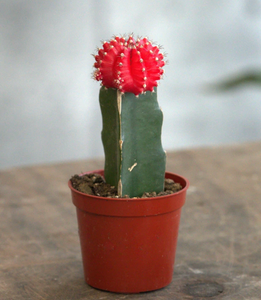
(131, 136)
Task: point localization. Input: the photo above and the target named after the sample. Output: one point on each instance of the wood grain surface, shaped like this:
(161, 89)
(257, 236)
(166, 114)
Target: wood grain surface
(219, 247)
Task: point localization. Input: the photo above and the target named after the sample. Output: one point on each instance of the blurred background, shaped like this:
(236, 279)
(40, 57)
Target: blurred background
(49, 110)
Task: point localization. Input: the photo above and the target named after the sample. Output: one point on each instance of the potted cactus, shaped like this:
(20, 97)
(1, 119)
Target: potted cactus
(128, 241)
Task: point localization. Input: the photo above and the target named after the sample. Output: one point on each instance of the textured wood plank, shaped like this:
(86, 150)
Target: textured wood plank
(219, 248)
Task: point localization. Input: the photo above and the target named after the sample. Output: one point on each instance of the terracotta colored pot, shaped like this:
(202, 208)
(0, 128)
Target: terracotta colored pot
(129, 245)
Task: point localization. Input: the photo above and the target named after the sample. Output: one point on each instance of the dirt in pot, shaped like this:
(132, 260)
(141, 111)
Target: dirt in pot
(94, 184)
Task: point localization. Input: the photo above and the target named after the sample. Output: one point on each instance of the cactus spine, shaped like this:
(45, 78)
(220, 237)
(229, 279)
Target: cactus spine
(132, 120)
(131, 135)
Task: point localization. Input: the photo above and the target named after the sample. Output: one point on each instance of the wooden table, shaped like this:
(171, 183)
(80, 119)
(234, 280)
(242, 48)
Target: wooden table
(219, 247)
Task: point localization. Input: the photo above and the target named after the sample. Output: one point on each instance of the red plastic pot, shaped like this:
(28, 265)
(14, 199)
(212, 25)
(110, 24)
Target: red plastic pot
(129, 245)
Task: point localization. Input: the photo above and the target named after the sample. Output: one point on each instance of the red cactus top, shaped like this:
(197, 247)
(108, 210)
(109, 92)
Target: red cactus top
(129, 65)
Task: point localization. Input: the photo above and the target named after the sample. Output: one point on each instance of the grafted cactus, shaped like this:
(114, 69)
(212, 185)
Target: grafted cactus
(132, 119)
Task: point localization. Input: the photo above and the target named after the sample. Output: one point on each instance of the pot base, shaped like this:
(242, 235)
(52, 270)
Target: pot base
(128, 291)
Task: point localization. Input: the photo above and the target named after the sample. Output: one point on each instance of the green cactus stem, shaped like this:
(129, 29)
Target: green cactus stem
(131, 136)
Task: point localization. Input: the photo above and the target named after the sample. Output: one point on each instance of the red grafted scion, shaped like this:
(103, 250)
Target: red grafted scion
(129, 65)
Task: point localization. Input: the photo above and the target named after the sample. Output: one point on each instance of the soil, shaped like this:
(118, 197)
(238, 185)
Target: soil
(94, 184)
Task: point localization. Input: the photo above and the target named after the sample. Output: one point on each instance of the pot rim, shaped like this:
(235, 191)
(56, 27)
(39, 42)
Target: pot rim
(101, 171)
(129, 207)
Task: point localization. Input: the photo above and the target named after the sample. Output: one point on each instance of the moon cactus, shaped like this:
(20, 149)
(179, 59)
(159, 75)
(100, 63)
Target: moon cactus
(129, 71)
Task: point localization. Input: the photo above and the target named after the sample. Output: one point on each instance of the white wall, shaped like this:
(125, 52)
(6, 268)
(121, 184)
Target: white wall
(49, 107)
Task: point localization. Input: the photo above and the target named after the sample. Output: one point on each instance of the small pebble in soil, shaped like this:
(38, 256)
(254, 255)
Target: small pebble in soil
(94, 184)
